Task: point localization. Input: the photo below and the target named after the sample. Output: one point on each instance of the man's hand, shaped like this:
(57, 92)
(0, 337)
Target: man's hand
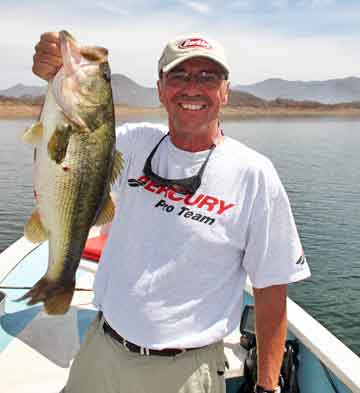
(271, 330)
(47, 58)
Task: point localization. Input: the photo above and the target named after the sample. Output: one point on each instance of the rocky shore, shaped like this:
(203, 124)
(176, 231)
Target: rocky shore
(11, 110)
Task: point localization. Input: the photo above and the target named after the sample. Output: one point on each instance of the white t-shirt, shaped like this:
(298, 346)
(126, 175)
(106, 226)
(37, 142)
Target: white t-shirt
(174, 266)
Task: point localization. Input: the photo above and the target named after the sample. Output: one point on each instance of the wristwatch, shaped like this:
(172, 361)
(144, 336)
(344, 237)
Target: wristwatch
(260, 389)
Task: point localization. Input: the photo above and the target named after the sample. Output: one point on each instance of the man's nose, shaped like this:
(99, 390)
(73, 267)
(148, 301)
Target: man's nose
(192, 84)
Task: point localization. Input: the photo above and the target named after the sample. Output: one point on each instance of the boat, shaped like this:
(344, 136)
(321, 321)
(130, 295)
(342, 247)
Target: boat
(36, 350)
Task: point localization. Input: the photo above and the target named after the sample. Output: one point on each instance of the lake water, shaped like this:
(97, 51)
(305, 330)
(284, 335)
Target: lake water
(319, 163)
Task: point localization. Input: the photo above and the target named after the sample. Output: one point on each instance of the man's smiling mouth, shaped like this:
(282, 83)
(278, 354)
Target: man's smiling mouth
(192, 107)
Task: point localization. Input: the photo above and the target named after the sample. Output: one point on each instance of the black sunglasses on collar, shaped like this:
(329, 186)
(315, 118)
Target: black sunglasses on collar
(187, 185)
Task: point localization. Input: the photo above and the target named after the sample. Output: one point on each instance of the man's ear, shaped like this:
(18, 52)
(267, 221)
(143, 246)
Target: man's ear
(159, 89)
(225, 93)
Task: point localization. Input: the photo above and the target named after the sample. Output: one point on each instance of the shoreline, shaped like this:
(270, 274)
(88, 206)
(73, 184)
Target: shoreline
(12, 112)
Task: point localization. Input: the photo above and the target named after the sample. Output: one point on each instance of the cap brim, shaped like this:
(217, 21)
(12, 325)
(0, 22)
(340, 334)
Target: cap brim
(177, 61)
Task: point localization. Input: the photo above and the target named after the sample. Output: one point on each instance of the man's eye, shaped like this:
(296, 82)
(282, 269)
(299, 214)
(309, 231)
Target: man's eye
(208, 77)
(178, 76)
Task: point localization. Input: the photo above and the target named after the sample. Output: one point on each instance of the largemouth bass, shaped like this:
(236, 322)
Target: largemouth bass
(75, 162)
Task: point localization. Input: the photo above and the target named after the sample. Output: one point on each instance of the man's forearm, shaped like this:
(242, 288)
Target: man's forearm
(271, 330)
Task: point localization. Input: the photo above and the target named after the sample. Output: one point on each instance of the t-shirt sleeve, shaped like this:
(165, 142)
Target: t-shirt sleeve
(273, 252)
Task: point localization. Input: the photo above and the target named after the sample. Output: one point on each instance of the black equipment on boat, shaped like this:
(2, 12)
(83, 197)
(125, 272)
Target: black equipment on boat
(288, 374)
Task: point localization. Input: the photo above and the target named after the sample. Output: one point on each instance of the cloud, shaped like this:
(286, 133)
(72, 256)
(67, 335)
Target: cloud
(196, 6)
(260, 55)
(260, 45)
(133, 51)
(111, 7)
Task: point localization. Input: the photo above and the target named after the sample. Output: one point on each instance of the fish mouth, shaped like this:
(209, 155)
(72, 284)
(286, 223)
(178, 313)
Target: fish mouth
(65, 35)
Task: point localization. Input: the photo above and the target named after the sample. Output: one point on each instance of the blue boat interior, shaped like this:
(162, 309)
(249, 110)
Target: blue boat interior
(313, 376)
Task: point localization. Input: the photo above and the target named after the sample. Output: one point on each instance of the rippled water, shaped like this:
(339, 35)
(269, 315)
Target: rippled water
(319, 163)
(16, 196)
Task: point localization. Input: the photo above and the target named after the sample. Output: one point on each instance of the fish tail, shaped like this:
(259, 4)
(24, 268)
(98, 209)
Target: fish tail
(59, 303)
(56, 295)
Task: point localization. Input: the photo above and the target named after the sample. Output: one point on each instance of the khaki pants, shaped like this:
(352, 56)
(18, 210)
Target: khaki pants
(104, 366)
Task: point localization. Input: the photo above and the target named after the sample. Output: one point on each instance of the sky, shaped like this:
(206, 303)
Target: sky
(289, 39)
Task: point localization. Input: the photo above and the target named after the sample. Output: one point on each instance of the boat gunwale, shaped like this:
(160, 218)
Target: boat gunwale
(314, 336)
(322, 343)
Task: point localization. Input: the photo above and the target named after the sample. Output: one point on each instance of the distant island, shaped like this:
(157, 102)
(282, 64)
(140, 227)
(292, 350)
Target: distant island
(339, 97)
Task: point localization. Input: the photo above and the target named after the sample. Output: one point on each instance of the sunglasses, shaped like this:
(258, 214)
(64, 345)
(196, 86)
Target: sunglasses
(187, 185)
(208, 79)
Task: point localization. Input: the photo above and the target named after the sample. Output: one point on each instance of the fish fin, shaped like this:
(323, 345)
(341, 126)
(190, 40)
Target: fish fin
(117, 166)
(59, 142)
(56, 297)
(34, 230)
(33, 134)
(107, 212)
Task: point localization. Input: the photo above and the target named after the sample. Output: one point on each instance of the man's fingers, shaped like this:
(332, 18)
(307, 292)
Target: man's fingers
(44, 70)
(49, 44)
(48, 48)
(52, 37)
(47, 58)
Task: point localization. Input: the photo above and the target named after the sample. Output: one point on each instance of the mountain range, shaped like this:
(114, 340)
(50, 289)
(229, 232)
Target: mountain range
(21, 90)
(331, 91)
(129, 93)
(125, 92)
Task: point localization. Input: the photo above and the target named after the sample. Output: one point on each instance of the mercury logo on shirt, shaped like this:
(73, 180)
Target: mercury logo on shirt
(200, 201)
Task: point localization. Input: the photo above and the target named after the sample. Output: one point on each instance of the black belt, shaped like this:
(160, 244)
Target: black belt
(141, 350)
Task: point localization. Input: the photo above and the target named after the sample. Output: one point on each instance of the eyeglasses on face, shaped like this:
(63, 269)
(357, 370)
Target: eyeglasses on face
(208, 79)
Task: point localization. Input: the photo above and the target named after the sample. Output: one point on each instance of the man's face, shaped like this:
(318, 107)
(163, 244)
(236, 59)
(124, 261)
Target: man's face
(193, 106)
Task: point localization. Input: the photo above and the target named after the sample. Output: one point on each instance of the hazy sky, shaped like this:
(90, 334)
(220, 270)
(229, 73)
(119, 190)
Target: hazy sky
(290, 39)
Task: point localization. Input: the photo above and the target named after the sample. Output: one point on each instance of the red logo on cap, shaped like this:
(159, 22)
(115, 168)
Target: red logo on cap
(194, 43)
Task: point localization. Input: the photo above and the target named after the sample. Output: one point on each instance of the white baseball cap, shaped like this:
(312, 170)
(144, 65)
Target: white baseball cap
(194, 45)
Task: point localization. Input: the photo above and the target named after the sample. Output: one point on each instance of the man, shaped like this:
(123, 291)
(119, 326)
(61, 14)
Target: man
(197, 212)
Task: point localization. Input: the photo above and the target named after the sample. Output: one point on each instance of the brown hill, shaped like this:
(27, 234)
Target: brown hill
(23, 100)
(236, 99)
